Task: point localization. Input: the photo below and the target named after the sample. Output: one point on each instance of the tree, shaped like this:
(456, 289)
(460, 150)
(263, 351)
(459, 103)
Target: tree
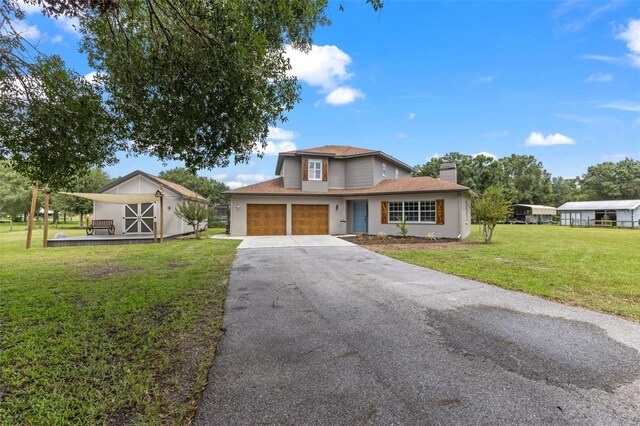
(476, 172)
(209, 188)
(525, 178)
(194, 214)
(563, 190)
(15, 191)
(491, 208)
(92, 181)
(610, 181)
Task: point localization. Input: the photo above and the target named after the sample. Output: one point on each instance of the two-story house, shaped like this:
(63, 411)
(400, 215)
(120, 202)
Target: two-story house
(342, 189)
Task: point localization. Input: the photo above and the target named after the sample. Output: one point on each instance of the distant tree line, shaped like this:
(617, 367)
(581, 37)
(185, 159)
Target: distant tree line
(526, 180)
(15, 191)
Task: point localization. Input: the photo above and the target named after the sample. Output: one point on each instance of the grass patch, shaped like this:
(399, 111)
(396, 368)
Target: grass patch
(594, 268)
(108, 334)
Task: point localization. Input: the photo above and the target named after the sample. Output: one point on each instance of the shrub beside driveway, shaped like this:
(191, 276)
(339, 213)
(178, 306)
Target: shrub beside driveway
(108, 334)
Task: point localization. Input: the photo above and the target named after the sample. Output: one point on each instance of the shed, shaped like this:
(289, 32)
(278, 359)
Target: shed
(533, 213)
(619, 213)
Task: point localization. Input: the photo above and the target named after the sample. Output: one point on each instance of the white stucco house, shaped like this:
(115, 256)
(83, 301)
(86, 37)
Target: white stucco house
(620, 213)
(342, 189)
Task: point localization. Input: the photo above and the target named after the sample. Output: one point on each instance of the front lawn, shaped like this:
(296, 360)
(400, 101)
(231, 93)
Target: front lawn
(594, 268)
(108, 334)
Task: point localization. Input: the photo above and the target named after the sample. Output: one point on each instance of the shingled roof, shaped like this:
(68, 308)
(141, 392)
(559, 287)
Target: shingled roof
(175, 187)
(386, 186)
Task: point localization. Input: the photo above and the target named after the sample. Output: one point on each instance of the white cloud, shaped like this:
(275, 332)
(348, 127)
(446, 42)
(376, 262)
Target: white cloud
(91, 77)
(434, 155)
(233, 184)
(602, 58)
(496, 134)
(411, 116)
(279, 134)
(274, 148)
(599, 77)
(28, 8)
(343, 95)
(538, 139)
(485, 153)
(252, 177)
(70, 25)
(400, 135)
(219, 176)
(26, 31)
(324, 67)
(56, 39)
(615, 157)
(483, 80)
(632, 36)
(622, 106)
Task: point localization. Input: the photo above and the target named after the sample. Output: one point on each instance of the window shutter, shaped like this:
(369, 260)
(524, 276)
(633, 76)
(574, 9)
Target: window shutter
(305, 169)
(384, 212)
(439, 212)
(325, 169)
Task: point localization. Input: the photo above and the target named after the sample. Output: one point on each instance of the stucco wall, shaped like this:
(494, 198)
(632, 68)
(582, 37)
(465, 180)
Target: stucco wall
(238, 206)
(139, 184)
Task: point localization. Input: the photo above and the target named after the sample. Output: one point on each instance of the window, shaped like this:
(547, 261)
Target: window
(315, 169)
(384, 170)
(413, 211)
(397, 173)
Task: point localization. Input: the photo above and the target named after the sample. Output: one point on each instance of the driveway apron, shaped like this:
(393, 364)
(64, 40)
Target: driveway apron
(342, 335)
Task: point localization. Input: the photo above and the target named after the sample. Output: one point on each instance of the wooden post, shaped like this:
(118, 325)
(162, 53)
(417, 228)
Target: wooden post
(162, 213)
(155, 231)
(32, 212)
(45, 231)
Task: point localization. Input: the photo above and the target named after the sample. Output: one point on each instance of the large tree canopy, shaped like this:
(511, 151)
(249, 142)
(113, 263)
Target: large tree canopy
(209, 188)
(199, 81)
(610, 181)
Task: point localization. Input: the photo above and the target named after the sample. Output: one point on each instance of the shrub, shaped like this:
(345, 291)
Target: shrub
(403, 226)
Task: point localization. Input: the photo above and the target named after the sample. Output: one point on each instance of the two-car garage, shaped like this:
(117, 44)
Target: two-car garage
(271, 219)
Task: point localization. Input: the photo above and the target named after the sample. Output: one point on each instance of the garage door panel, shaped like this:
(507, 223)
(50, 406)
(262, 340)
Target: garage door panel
(310, 219)
(266, 219)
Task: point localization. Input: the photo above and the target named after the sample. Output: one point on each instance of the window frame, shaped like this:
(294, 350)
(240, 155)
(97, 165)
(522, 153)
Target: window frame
(384, 170)
(397, 173)
(393, 210)
(311, 170)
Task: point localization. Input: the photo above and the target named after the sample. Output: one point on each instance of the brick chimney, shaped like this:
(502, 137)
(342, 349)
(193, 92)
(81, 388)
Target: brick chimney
(448, 172)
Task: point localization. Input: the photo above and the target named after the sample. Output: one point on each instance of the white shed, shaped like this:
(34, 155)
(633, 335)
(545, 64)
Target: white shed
(138, 218)
(620, 213)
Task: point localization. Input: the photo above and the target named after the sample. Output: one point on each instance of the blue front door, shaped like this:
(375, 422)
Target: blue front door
(360, 210)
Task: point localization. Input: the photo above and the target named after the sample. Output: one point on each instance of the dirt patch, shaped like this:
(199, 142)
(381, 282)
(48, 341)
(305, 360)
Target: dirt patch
(108, 270)
(179, 265)
(394, 243)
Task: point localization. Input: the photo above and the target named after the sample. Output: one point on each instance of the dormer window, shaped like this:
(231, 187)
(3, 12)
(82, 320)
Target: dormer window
(384, 170)
(315, 169)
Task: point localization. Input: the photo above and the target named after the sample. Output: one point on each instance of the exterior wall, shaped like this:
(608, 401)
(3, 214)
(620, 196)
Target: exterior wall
(139, 184)
(238, 206)
(456, 222)
(359, 172)
(584, 216)
(391, 171)
(315, 185)
(628, 218)
(292, 172)
(337, 173)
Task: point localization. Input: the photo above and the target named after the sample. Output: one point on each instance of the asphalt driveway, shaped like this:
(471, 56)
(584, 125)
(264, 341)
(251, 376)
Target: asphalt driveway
(341, 335)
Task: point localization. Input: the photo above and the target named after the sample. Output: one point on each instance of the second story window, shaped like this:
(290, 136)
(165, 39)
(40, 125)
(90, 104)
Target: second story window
(384, 170)
(315, 169)
(397, 173)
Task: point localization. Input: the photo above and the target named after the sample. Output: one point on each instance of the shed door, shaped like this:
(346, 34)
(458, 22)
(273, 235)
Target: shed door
(266, 219)
(309, 219)
(138, 218)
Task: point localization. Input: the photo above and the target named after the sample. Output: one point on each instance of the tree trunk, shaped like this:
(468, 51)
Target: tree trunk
(45, 218)
(32, 211)
(56, 218)
(80, 221)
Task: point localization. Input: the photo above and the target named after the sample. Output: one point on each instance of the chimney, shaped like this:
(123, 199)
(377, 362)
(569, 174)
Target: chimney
(448, 172)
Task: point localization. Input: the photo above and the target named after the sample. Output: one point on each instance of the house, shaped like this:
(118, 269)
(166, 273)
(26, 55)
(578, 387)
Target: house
(342, 189)
(137, 218)
(620, 213)
(532, 213)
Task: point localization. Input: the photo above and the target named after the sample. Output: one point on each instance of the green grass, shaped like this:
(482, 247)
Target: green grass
(595, 268)
(108, 334)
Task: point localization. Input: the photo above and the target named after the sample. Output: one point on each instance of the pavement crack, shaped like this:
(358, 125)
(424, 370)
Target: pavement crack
(309, 351)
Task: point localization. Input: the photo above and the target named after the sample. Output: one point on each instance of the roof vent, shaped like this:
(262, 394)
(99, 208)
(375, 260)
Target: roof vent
(448, 172)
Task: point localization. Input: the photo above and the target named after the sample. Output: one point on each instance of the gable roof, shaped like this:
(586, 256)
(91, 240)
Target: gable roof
(386, 186)
(601, 205)
(174, 187)
(341, 152)
(538, 209)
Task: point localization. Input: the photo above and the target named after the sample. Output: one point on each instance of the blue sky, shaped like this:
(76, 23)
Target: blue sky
(557, 80)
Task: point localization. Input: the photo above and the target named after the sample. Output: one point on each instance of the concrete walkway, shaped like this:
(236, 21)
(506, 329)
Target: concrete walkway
(341, 335)
(293, 241)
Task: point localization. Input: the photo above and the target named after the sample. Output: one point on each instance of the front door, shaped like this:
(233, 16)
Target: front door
(138, 218)
(360, 213)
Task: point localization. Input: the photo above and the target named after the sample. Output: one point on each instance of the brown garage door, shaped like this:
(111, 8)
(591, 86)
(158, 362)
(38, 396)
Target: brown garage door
(310, 219)
(266, 219)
